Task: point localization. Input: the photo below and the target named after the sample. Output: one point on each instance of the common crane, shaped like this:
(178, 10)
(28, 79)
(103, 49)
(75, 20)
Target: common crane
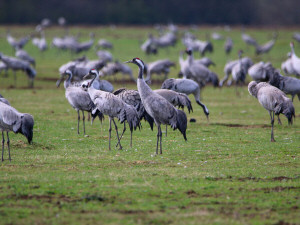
(158, 107)
(109, 104)
(12, 120)
(273, 100)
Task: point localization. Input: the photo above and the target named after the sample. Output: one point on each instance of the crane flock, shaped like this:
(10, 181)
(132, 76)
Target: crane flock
(85, 91)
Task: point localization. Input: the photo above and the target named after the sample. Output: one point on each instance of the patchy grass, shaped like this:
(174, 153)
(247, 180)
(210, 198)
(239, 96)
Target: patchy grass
(228, 172)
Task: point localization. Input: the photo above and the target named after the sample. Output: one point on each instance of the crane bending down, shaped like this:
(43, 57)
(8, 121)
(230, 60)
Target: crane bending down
(273, 100)
(109, 104)
(159, 108)
(12, 120)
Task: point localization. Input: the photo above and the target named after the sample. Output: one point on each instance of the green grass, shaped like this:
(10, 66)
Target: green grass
(228, 172)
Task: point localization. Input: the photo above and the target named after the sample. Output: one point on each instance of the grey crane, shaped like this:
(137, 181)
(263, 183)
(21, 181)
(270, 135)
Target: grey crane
(159, 67)
(239, 71)
(287, 66)
(41, 42)
(109, 104)
(4, 100)
(132, 97)
(12, 120)
(229, 66)
(273, 100)
(106, 56)
(199, 73)
(248, 39)
(117, 67)
(103, 43)
(228, 45)
(296, 36)
(205, 61)
(17, 44)
(3, 67)
(84, 46)
(158, 107)
(295, 59)
(22, 54)
(187, 87)
(18, 64)
(265, 48)
(289, 85)
(79, 99)
(260, 71)
(149, 46)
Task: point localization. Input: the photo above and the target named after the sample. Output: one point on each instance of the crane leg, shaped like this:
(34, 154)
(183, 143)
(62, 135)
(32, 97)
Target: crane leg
(8, 141)
(109, 130)
(272, 123)
(160, 138)
(122, 134)
(157, 139)
(279, 121)
(78, 121)
(119, 141)
(83, 120)
(166, 130)
(2, 145)
(130, 139)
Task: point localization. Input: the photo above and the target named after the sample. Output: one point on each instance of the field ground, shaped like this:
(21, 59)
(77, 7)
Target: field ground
(228, 172)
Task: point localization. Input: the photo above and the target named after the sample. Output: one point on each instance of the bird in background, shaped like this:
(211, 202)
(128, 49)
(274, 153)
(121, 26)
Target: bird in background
(158, 107)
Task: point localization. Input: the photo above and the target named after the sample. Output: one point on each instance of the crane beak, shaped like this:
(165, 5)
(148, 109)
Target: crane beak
(58, 82)
(86, 76)
(130, 61)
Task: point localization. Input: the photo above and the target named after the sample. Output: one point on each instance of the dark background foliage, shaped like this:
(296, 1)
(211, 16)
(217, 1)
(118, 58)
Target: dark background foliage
(239, 12)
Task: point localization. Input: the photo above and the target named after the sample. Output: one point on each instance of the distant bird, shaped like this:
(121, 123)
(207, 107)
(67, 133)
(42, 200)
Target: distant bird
(287, 66)
(228, 45)
(296, 36)
(103, 43)
(229, 66)
(217, 36)
(117, 67)
(84, 46)
(3, 67)
(22, 54)
(12, 120)
(106, 56)
(62, 21)
(149, 46)
(4, 100)
(295, 59)
(239, 71)
(187, 87)
(132, 97)
(17, 44)
(289, 85)
(158, 107)
(260, 71)
(41, 42)
(79, 99)
(265, 48)
(205, 61)
(18, 64)
(109, 104)
(273, 100)
(248, 39)
(159, 67)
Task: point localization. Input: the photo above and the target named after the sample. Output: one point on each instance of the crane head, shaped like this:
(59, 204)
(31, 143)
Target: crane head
(292, 44)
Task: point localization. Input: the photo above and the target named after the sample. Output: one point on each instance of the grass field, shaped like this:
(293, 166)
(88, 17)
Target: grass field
(228, 172)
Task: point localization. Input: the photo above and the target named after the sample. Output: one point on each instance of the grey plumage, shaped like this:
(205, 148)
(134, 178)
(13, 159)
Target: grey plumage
(187, 87)
(295, 59)
(117, 67)
(159, 67)
(79, 99)
(12, 120)
(289, 85)
(109, 104)
(287, 66)
(158, 107)
(265, 48)
(18, 64)
(273, 100)
(22, 54)
(105, 44)
(17, 44)
(4, 100)
(260, 71)
(228, 45)
(248, 39)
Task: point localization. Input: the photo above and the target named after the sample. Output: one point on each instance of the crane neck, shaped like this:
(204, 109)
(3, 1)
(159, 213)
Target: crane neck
(141, 72)
(67, 82)
(190, 59)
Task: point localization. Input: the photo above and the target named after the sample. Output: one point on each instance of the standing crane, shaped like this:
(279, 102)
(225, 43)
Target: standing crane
(109, 104)
(273, 100)
(158, 107)
(12, 120)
